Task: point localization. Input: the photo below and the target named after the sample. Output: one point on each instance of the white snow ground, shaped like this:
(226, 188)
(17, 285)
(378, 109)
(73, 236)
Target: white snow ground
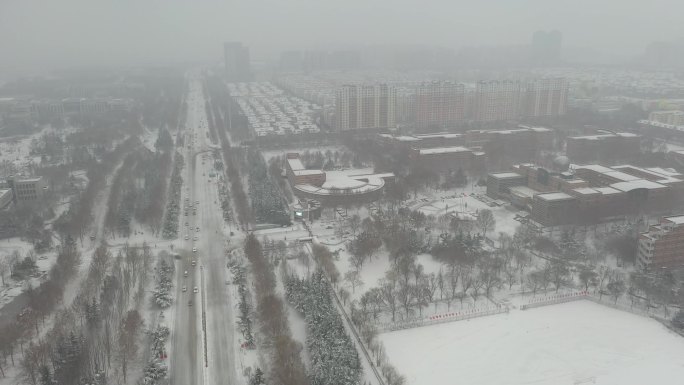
(573, 343)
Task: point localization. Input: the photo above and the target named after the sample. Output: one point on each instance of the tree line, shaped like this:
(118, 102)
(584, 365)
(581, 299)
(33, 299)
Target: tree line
(286, 366)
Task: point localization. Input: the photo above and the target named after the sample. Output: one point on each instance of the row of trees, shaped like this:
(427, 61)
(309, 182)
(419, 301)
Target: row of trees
(138, 191)
(244, 319)
(333, 355)
(286, 366)
(173, 205)
(77, 219)
(96, 337)
(155, 370)
(268, 203)
(232, 156)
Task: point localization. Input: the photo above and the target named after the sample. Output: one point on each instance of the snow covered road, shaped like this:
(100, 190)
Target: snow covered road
(190, 340)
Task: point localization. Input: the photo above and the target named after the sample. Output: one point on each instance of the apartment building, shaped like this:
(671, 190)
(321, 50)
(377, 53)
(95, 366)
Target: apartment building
(663, 244)
(361, 107)
(439, 104)
(674, 117)
(236, 61)
(497, 100)
(545, 97)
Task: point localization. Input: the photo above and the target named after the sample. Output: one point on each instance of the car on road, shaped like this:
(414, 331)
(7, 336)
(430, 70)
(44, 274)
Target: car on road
(187, 237)
(195, 290)
(185, 273)
(185, 289)
(193, 263)
(187, 224)
(195, 238)
(194, 249)
(190, 303)
(197, 228)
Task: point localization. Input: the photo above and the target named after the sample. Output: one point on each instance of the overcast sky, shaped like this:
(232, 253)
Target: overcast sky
(38, 34)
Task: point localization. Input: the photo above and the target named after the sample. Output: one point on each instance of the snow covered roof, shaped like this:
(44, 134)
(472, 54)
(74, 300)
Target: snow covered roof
(594, 167)
(586, 191)
(679, 219)
(439, 135)
(619, 175)
(523, 191)
(555, 196)
(295, 164)
(443, 150)
(405, 138)
(307, 172)
(635, 184)
(607, 190)
(505, 175)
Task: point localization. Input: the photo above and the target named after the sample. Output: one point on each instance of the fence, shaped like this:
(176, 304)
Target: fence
(554, 299)
(621, 304)
(441, 318)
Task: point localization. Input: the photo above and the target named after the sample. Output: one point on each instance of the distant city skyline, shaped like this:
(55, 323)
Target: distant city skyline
(37, 34)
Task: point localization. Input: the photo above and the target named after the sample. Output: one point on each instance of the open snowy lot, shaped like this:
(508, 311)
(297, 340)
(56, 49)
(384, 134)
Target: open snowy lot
(573, 343)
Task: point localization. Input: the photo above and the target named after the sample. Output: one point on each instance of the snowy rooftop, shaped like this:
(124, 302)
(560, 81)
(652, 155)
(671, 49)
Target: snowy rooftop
(586, 191)
(555, 196)
(663, 175)
(505, 175)
(307, 172)
(606, 136)
(443, 150)
(356, 181)
(621, 176)
(295, 164)
(595, 167)
(405, 138)
(607, 190)
(679, 219)
(523, 191)
(635, 184)
(440, 135)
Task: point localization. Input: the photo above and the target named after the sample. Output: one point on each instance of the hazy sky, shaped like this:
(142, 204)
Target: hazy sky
(37, 34)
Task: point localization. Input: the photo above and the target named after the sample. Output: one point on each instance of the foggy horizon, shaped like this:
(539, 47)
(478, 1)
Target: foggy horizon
(38, 36)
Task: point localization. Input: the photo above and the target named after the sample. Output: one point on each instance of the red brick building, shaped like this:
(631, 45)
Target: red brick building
(663, 244)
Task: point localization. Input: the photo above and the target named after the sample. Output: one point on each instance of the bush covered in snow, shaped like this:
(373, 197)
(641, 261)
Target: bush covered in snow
(162, 292)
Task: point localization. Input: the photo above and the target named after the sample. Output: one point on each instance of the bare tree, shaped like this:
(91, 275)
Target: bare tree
(616, 287)
(128, 336)
(353, 278)
(588, 277)
(388, 292)
(485, 221)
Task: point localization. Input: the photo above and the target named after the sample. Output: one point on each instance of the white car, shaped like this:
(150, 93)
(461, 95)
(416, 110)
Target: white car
(187, 237)
(195, 290)
(194, 249)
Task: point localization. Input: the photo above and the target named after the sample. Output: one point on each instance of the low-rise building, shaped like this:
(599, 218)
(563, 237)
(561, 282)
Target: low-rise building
(597, 192)
(332, 188)
(663, 244)
(499, 184)
(26, 190)
(605, 148)
(5, 198)
(441, 159)
(672, 117)
(554, 208)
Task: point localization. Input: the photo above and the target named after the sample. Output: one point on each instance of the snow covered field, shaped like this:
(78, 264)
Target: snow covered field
(573, 343)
